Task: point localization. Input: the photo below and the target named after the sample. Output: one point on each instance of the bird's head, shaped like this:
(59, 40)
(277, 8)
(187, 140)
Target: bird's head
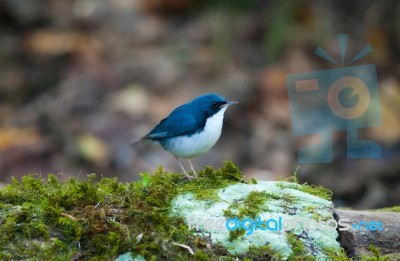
(211, 103)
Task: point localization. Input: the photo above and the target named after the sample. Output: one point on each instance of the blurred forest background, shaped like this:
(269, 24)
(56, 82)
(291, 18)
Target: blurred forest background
(81, 79)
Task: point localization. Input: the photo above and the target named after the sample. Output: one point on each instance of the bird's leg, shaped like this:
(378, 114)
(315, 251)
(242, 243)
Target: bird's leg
(191, 166)
(183, 169)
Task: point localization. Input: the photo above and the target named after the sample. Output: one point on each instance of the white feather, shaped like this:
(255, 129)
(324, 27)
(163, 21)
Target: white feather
(199, 143)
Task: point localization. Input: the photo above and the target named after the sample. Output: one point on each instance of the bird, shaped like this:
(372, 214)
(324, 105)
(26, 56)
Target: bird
(191, 129)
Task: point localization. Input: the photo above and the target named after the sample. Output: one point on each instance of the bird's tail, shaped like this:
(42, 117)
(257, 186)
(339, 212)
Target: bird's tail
(142, 143)
(136, 143)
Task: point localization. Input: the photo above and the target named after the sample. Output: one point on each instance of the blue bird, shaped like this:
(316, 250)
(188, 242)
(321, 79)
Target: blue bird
(191, 129)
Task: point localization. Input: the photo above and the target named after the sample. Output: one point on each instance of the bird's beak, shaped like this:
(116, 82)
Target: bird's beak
(231, 102)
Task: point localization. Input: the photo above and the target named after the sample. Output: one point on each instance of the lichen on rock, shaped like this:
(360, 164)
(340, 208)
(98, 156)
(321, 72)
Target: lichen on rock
(266, 200)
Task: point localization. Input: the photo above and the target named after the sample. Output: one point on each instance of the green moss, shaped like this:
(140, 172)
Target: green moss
(318, 191)
(299, 252)
(333, 254)
(294, 178)
(228, 213)
(289, 199)
(261, 253)
(201, 256)
(316, 214)
(252, 181)
(235, 234)
(249, 207)
(376, 256)
(100, 219)
(284, 185)
(253, 204)
(43, 218)
(210, 181)
(310, 209)
(207, 194)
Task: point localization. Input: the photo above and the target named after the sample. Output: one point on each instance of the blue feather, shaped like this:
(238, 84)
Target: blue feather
(182, 121)
(187, 119)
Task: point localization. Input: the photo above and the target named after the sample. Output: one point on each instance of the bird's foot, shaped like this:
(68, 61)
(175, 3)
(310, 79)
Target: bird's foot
(188, 176)
(193, 170)
(184, 171)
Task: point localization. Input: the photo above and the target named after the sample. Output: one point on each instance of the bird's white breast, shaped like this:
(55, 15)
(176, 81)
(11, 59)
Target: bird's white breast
(199, 143)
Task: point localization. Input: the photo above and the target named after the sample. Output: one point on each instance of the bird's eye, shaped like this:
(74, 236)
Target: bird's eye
(215, 104)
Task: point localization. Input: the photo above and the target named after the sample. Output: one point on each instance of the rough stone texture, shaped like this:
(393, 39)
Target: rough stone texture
(357, 242)
(204, 215)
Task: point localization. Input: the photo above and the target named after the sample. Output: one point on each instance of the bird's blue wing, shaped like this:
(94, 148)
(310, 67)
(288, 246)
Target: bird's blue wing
(181, 121)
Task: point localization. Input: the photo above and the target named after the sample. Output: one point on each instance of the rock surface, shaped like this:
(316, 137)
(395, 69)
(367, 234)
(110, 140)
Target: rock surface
(357, 241)
(283, 201)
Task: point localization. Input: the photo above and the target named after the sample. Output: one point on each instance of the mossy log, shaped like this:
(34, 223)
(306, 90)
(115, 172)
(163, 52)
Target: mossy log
(42, 218)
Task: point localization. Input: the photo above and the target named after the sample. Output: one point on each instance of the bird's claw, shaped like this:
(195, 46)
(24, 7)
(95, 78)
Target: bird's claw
(193, 170)
(188, 176)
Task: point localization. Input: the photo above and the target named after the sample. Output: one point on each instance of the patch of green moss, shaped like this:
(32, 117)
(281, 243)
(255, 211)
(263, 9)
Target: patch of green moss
(261, 253)
(235, 234)
(289, 199)
(294, 178)
(376, 256)
(318, 191)
(47, 219)
(201, 256)
(249, 207)
(299, 251)
(314, 211)
(253, 204)
(284, 185)
(210, 181)
(333, 254)
(252, 181)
